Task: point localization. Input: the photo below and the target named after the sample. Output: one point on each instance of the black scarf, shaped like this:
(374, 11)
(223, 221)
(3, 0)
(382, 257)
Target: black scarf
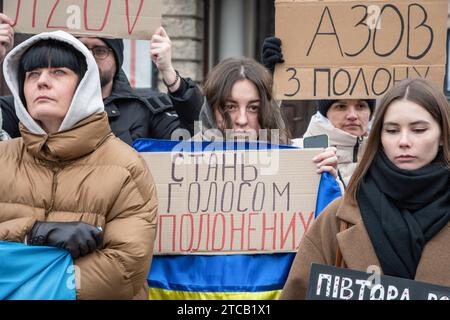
(402, 210)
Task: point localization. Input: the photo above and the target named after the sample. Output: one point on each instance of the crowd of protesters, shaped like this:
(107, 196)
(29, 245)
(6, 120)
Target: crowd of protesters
(67, 129)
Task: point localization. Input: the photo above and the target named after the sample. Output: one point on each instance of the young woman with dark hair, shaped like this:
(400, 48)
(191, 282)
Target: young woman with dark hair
(396, 211)
(239, 105)
(240, 102)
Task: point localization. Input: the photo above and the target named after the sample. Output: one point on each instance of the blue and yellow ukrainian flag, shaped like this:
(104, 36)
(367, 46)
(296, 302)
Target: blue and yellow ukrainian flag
(224, 277)
(35, 273)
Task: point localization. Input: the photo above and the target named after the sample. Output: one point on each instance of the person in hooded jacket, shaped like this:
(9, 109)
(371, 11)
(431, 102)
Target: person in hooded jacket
(68, 181)
(133, 114)
(346, 121)
(395, 213)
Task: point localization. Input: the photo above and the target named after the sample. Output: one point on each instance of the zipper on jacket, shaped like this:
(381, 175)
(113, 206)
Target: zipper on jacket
(356, 148)
(54, 186)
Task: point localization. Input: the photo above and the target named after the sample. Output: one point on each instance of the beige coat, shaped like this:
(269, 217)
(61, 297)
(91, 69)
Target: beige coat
(319, 245)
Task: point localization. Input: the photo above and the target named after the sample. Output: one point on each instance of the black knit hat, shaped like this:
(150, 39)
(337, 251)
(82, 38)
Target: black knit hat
(324, 105)
(117, 46)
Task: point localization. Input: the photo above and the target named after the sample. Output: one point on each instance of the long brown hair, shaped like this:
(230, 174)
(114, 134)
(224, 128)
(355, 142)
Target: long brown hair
(420, 91)
(220, 81)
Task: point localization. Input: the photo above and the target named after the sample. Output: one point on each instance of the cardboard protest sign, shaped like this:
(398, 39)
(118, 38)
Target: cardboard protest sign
(357, 49)
(128, 19)
(331, 283)
(137, 63)
(222, 202)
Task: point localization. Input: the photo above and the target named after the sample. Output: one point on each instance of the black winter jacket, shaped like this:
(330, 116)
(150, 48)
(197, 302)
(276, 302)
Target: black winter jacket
(135, 115)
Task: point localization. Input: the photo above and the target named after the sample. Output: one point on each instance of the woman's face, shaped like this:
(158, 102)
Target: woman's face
(410, 136)
(351, 116)
(243, 107)
(48, 94)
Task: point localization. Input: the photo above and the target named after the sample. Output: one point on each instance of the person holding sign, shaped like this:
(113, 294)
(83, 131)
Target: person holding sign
(239, 105)
(346, 122)
(142, 116)
(131, 115)
(68, 182)
(395, 214)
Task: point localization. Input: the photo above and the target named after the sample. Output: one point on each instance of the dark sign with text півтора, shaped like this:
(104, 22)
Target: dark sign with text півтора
(127, 19)
(357, 49)
(331, 283)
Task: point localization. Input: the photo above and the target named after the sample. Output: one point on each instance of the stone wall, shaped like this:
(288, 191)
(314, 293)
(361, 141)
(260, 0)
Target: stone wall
(184, 23)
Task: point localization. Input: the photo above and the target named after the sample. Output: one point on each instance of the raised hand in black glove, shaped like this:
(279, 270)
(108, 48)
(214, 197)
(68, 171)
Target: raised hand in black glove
(271, 53)
(78, 238)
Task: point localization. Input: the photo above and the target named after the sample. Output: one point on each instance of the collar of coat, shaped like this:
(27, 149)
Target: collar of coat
(358, 252)
(84, 138)
(337, 137)
(122, 90)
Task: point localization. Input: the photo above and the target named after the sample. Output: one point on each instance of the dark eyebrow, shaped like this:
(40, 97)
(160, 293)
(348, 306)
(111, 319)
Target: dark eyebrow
(251, 101)
(419, 122)
(412, 124)
(390, 124)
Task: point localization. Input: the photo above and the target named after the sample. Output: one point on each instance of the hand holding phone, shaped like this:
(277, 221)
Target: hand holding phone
(319, 141)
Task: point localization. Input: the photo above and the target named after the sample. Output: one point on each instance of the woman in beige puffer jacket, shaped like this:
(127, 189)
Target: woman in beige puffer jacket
(69, 167)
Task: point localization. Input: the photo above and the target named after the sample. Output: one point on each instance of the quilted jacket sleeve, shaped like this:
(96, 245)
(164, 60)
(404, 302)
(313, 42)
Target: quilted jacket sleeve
(15, 230)
(119, 270)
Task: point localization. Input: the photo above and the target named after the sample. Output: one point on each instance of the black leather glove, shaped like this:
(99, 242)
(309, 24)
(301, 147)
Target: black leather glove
(271, 53)
(78, 238)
